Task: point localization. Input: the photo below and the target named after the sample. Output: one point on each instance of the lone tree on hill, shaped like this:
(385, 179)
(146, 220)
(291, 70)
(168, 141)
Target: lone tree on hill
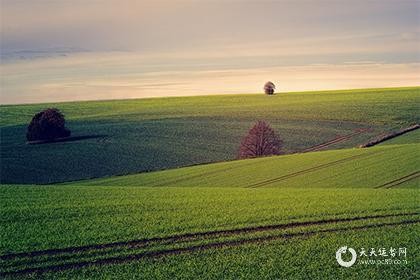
(260, 141)
(269, 88)
(47, 125)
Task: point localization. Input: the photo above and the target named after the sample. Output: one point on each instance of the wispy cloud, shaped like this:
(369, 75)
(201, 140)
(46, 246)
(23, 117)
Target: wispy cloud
(155, 48)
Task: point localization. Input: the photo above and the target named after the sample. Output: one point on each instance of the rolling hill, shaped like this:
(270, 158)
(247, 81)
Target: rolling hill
(106, 227)
(266, 218)
(131, 136)
(351, 168)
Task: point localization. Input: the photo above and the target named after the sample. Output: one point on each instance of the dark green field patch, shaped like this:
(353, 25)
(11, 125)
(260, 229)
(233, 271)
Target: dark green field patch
(131, 147)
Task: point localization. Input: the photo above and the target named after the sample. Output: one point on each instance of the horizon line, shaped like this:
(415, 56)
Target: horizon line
(205, 95)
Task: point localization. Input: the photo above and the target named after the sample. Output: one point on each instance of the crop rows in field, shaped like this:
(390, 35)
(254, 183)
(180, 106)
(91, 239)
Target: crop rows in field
(121, 252)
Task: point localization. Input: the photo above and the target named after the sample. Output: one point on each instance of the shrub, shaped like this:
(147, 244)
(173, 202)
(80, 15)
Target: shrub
(47, 125)
(260, 141)
(269, 88)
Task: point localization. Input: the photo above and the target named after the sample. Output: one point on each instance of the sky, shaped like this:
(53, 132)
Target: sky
(66, 50)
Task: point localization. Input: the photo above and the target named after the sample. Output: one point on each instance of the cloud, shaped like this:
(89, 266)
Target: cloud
(153, 48)
(104, 25)
(124, 75)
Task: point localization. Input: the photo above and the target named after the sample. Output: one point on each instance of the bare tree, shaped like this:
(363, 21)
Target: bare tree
(260, 141)
(269, 88)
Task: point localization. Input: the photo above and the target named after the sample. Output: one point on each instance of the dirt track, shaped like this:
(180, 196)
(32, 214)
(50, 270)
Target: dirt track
(311, 149)
(29, 256)
(308, 170)
(399, 181)
(336, 140)
(189, 177)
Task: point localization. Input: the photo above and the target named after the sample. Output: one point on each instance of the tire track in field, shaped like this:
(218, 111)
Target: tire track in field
(189, 177)
(311, 149)
(206, 234)
(336, 140)
(193, 249)
(311, 169)
(399, 181)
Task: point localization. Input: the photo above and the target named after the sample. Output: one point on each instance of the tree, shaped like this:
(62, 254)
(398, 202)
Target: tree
(47, 125)
(269, 88)
(260, 141)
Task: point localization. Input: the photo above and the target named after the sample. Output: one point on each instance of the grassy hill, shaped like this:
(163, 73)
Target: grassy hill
(131, 136)
(269, 218)
(351, 168)
(172, 223)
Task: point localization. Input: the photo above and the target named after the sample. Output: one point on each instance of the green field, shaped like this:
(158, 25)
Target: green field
(281, 217)
(162, 133)
(52, 217)
(303, 257)
(352, 168)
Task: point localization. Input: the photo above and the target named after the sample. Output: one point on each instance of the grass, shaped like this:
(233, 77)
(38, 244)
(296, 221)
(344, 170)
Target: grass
(45, 217)
(311, 257)
(162, 133)
(351, 168)
(50, 217)
(280, 217)
(255, 223)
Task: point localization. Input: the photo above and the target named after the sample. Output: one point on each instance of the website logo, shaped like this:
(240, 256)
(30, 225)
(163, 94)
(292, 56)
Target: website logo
(342, 251)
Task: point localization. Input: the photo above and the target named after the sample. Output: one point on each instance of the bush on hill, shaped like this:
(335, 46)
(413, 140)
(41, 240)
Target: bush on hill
(47, 125)
(269, 88)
